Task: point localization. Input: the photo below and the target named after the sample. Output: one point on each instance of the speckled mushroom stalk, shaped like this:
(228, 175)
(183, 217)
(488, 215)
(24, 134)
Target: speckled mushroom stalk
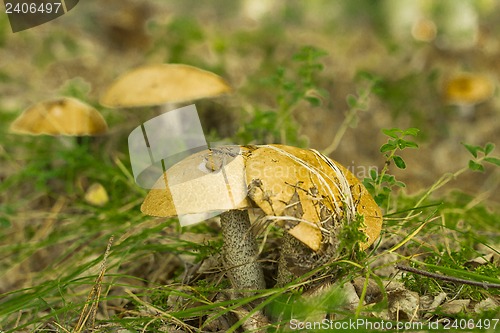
(240, 251)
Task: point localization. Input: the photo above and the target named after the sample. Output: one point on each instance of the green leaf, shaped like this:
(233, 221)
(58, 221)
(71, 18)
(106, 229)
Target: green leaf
(474, 166)
(393, 132)
(400, 184)
(387, 147)
(493, 160)
(390, 179)
(373, 174)
(410, 144)
(488, 148)
(314, 101)
(401, 144)
(351, 101)
(400, 163)
(472, 149)
(4, 222)
(412, 131)
(367, 182)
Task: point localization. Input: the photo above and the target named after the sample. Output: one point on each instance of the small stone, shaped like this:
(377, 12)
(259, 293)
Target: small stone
(403, 304)
(373, 292)
(455, 307)
(486, 305)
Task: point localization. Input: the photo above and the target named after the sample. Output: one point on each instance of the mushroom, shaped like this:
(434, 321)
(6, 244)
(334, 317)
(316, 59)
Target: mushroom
(158, 84)
(466, 90)
(313, 198)
(424, 30)
(60, 116)
(301, 190)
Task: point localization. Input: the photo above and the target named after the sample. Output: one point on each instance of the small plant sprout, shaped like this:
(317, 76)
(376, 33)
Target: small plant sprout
(303, 191)
(356, 103)
(161, 84)
(276, 123)
(476, 164)
(467, 90)
(381, 184)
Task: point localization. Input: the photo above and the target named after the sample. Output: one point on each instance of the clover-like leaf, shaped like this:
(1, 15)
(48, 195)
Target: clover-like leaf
(472, 149)
(493, 160)
(488, 148)
(474, 166)
(399, 162)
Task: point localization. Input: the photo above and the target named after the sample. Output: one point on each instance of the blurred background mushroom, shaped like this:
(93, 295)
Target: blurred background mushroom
(60, 116)
(466, 90)
(165, 87)
(163, 84)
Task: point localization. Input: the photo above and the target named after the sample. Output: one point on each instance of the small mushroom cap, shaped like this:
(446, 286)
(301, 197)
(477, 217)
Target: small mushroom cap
(468, 89)
(163, 83)
(199, 184)
(424, 30)
(60, 116)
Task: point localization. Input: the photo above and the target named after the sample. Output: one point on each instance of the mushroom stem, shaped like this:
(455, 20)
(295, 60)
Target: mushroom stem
(466, 110)
(240, 251)
(292, 250)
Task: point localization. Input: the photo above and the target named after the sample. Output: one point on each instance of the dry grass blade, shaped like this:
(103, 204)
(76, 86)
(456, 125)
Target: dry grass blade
(410, 236)
(90, 308)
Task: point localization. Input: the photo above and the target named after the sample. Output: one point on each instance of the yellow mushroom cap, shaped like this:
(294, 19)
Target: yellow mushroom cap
(163, 83)
(194, 190)
(60, 116)
(468, 89)
(287, 183)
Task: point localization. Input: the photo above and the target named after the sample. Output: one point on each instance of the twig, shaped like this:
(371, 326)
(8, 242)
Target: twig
(485, 285)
